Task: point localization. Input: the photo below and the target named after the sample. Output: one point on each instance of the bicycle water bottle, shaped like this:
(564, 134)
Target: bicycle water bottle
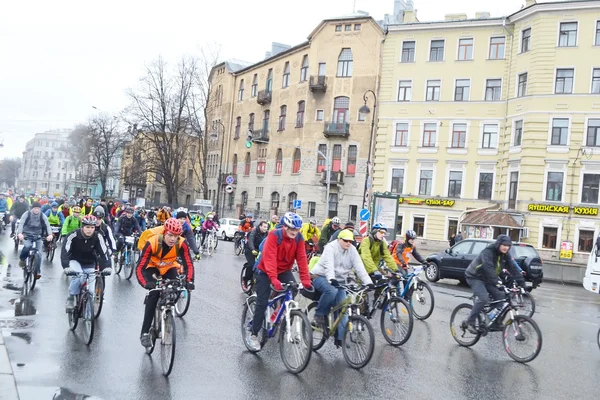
(492, 314)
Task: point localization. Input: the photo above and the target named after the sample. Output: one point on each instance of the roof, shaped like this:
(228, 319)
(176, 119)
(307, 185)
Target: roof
(486, 218)
(561, 4)
(234, 65)
(276, 56)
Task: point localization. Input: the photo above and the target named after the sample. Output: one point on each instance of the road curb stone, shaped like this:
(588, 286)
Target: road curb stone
(8, 383)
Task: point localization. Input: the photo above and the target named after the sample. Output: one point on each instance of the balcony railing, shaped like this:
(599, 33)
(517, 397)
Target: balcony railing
(336, 129)
(336, 178)
(318, 84)
(260, 136)
(264, 97)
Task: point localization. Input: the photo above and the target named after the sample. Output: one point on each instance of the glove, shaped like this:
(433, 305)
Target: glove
(371, 286)
(197, 257)
(376, 275)
(307, 284)
(150, 285)
(190, 286)
(106, 271)
(254, 252)
(334, 283)
(68, 271)
(277, 285)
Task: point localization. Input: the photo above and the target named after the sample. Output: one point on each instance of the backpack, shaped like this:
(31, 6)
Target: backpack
(393, 248)
(147, 234)
(279, 234)
(42, 224)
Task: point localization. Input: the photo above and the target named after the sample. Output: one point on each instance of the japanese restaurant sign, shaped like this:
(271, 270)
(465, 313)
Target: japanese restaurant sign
(558, 209)
(428, 202)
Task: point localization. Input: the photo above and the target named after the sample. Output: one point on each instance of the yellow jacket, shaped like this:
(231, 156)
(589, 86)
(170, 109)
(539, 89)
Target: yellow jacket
(308, 231)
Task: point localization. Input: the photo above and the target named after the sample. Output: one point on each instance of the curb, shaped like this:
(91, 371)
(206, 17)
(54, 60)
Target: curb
(8, 383)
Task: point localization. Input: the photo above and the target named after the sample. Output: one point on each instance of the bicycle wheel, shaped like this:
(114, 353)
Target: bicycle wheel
(525, 303)
(319, 335)
(356, 346)
(422, 301)
(118, 265)
(216, 240)
(520, 333)
(167, 344)
(210, 246)
(26, 277)
(458, 325)
(88, 318)
(53, 250)
(129, 265)
(247, 317)
(74, 315)
(238, 249)
(32, 270)
(183, 303)
(247, 288)
(295, 345)
(154, 332)
(396, 321)
(98, 296)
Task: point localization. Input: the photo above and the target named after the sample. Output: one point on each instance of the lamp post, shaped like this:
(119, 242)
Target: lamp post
(364, 111)
(215, 135)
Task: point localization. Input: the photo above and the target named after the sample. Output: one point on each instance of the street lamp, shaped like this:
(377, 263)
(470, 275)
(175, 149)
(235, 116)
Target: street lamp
(215, 136)
(363, 112)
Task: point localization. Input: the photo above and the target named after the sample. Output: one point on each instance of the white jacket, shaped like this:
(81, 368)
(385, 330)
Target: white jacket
(336, 263)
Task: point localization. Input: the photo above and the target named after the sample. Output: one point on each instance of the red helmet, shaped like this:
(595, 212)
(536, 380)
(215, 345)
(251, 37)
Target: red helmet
(173, 225)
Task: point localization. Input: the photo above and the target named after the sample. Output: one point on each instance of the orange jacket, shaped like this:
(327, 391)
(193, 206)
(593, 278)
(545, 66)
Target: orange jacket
(153, 256)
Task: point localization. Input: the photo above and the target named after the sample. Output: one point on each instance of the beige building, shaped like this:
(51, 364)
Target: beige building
(288, 117)
(500, 114)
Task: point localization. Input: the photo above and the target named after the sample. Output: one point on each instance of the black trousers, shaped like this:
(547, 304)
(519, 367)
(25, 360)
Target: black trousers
(263, 290)
(152, 298)
(482, 292)
(250, 259)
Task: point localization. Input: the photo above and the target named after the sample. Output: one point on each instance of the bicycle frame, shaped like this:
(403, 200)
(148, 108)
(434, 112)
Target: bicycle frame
(352, 301)
(506, 308)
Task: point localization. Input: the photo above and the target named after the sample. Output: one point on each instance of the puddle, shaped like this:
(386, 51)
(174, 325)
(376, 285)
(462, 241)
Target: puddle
(12, 286)
(24, 306)
(26, 336)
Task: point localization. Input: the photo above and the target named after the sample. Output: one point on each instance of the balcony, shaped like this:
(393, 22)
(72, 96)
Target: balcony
(224, 179)
(264, 97)
(335, 129)
(318, 84)
(336, 178)
(260, 136)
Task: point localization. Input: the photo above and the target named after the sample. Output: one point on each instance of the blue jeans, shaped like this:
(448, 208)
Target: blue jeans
(27, 245)
(77, 281)
(330, 297)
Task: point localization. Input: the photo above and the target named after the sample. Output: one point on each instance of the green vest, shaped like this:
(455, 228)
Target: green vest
(71, 224)
(53, 218)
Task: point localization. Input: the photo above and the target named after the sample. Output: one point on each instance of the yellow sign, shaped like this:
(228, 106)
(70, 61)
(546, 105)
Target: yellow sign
(429, 202)
(548, 208)
(566, 250)
(585, 211)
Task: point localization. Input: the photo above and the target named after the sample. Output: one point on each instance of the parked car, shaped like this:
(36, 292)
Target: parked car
(227, 228)
(452, 263)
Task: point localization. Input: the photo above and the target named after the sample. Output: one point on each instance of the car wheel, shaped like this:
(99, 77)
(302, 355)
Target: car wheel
(432, 272)
(223, 235)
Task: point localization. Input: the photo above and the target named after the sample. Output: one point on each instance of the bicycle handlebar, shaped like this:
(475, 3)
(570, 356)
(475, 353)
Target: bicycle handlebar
(289, 286)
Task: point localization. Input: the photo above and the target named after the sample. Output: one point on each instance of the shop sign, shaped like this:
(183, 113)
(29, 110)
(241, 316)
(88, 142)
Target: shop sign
(585, 210)
(429, 202)
(566, 250)
(551, 208)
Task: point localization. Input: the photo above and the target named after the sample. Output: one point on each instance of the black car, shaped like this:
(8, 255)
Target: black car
(452, 262)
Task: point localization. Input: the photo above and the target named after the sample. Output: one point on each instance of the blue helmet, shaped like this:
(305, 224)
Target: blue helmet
(54, 204)
(249, 215)
(291, 220)
(379, 226)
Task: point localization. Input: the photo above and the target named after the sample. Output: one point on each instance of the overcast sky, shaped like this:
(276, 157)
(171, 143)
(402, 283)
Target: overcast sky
(58, 58)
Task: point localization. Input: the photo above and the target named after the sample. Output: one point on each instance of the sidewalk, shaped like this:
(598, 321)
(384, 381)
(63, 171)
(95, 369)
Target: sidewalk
(8, 384)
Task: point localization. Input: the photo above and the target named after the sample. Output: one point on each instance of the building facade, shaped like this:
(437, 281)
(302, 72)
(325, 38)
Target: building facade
(492, 125)
(293, 117)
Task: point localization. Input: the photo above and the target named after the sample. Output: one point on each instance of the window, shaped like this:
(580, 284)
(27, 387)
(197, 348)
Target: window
(312, 209)
(352, 157)
(513, 188)
(459, 136)
(251, 122)
(404, 90)
(597, 41)
(261, 166)
(254, 88)
(300, 114)
(322, 69)
(321, 160)
(490, 136)
(304, 69)
(266, 117)
(244, 199)
(436, 53)
(341, 105)
(357, 27)
(522, 88)
(554, 186)
(518, 133)
(282, 114)
(496, 48)
(345, 62)
(455, 184)
(568, 34)
(275, 200)
(235, 164)
(549, 238)
(337, 158)
(278, 162)
(320, 115)
(241, 91)
(433, 90)
(593, 133)
(586, 241)
(408, 52)
(401, 135)
(485, 186)
(493, 88)
(348, 27)
(461, 92)
(465, 49)
(596, 81)
(397, 180)
(332, 207)
(429, 135)
(590, 188)
(269, 86)
(247, 165)
(338, 28)
(292, 197)
(560, 132)
(238, 126)
(425, 182)
(296, 162)
(286, 75)
(525, 40)
(419, 226)
(564, 81)
(258, 194)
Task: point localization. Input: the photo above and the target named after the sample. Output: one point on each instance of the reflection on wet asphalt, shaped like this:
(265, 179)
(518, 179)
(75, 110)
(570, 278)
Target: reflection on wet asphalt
(51, 362)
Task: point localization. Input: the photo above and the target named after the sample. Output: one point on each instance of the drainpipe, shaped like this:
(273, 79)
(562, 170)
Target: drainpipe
(462, 214)
(504, 153)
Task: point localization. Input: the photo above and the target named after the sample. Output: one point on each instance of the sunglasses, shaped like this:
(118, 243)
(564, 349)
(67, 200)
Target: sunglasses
(348, 240)
(384, 232)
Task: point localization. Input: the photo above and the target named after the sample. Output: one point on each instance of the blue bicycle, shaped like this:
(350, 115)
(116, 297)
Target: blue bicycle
(417, 293)
(284, 314)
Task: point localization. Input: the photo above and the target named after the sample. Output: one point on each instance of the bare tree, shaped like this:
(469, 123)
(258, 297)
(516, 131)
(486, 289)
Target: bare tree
(9, 171)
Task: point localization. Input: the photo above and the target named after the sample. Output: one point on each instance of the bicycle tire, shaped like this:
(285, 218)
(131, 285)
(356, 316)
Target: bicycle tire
(250, 304)
(418, 315)
(73, 316)
(118, 265)
(357, 324)
(321, 336)
(462, 330)
(88, 318)
(167, 350)
(598, 338)
(53, 250)
(32, 279)
(98, 297)
(522, 303)
(26, 277)
(216, 239)
(305, 338)
(152, 335)
(518, 320)
(393, 310)
(238, 249)
(181, 308)
(132, 262)
(250, 288)
(16, 244)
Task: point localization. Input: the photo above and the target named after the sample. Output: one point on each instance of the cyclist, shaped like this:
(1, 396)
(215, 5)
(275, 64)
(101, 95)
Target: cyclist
(126, 226)
(282, 247)
(104, 230)
(338, 259)
(195, 219)
(483, 277)
(140, 216)
(16, 212)
(188, 232)
(274, 221)
(255, 238)
(373, 249)
(55, 217)
(72, 222)
(348, 226)
(310, 230)
(328, 231)
(81, 250)
(207, 225)
(162, 215)
(159, 257)
(87, 208)
(3, 206)
(404, 251)
(244, 227)
(34, 225)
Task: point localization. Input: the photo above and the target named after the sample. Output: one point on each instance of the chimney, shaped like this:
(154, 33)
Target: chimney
(455, 17)
(529, 3)
(482, 15)
(410, 16)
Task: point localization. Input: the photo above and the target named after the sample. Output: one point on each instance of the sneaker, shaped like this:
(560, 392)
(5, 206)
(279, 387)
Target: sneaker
(38, 276)
(70, 305)
(253, 342)
(470, 326)
(319, 321)
(145, 340)
(22, 263)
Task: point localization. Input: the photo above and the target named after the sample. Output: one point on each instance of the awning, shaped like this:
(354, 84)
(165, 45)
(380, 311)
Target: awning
(494, 219)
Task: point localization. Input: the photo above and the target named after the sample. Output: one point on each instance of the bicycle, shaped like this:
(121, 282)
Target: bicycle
(198, 235)
(29, 271)
(2, 224)
(520, 327)
(283, 314)
(128, 256)
(84, 308)
(521, 297)
(183, 302)
(210, 242)
(50, 248)
(240, 244)
(15, 237)
(163, 323)
(354, 331)
(99, 292)
(414, 292)
(247, 286)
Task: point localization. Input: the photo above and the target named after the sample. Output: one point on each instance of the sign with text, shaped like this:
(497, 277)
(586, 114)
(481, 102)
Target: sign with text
(385, 211)
(566, 250)
(558, 209)
(428, 202)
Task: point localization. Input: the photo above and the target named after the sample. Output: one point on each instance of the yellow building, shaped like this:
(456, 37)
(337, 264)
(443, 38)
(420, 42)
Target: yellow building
(500, 114)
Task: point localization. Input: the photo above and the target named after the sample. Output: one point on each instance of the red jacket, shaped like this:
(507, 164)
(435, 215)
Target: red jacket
(277, 259)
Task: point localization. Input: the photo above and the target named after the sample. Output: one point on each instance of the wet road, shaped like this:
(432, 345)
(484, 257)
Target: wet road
(211, 361)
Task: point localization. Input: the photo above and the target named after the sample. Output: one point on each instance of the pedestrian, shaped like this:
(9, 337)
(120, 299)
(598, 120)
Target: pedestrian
(452, 240)
(458, 237)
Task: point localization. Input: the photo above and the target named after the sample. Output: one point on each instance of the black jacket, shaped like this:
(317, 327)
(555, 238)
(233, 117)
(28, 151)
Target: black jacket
(489, 263)
(126, 226)
(255, 238)
(84, 250)
(18, 208)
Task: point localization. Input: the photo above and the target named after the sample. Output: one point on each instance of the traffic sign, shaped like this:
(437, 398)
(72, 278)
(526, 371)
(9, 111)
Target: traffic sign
(229, 189)
(229, 180)
(364, 214)
(363, 228)
(297, 204)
